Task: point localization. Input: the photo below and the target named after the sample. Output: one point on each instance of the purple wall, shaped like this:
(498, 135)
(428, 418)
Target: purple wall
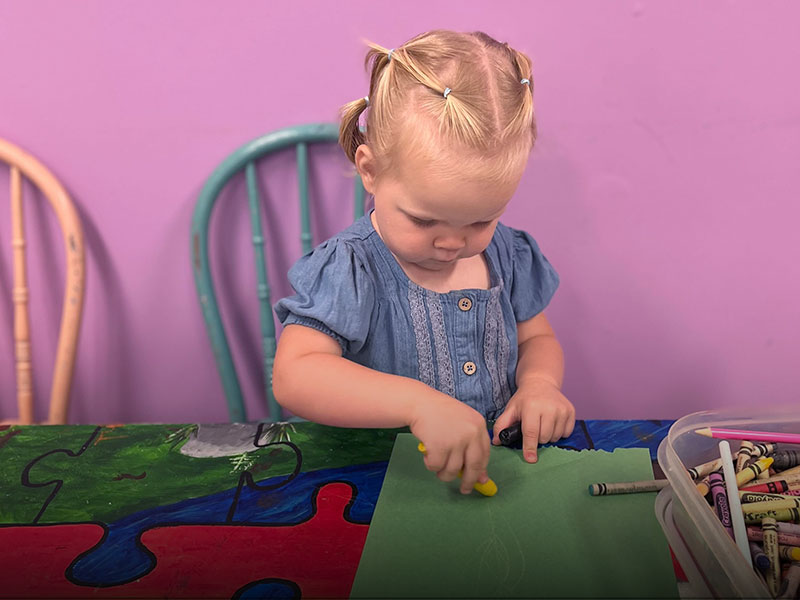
(663, 187)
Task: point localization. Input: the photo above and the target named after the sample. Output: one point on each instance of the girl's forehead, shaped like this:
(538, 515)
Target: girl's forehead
(440, 190)
(430, 196)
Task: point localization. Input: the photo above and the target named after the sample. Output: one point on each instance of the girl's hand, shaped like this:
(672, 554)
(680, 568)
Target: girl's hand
(455, 439)
(544, 412)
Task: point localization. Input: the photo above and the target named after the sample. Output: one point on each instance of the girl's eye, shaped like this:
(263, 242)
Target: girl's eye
(422, 223)
(482, 224)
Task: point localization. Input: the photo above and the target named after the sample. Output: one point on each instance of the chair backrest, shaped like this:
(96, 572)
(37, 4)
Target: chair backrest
(23, 164)
(245, 159)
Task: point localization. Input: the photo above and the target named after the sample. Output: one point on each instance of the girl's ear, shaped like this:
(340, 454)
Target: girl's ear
(367, 167)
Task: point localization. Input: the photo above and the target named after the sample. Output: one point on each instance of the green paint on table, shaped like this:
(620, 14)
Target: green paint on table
(129, 468)
(542, 535)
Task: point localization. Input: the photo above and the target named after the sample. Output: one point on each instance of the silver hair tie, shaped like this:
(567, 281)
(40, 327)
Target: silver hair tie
(525, 81)
(366, 99)
(446, 92)
(389, 55)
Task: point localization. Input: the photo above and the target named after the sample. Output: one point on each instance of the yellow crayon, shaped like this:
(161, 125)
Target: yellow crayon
(749, 472)
(766, 505)
(487, 489)
(744, 455)
(789, 553)
(784, 514)
(753, 497)
(701, 471)
(703, 487)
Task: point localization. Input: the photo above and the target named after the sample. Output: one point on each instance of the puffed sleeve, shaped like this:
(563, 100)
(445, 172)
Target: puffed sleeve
(333, 294)
(534, 278)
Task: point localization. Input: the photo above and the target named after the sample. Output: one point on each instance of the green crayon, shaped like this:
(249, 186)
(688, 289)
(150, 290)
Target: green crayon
(628, 487)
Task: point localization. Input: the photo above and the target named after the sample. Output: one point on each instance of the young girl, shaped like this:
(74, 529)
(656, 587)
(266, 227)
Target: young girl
(427, 312)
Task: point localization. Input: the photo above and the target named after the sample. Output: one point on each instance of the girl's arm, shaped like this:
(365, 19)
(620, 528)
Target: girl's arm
(545, 413)
(540, 355)
(312, 380)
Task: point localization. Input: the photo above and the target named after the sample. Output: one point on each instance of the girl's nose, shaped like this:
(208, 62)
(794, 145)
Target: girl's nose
(450, 243)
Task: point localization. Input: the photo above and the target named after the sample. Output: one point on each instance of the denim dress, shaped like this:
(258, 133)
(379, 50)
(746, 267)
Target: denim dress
(463, 343)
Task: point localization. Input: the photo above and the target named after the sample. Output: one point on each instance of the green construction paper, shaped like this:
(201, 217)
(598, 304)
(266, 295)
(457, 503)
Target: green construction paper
(541, 535)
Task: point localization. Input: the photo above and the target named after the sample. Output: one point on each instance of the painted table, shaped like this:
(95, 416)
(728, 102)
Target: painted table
(204, 511)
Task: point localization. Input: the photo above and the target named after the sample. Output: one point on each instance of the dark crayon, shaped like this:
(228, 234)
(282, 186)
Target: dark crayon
(511, 436)
(786, 459)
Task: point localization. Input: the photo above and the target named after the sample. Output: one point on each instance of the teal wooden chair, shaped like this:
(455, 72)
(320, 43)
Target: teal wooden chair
(245, 158)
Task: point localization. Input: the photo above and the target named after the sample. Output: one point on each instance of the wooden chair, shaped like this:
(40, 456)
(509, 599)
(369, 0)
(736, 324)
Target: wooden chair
(23, 164)
(245, 159)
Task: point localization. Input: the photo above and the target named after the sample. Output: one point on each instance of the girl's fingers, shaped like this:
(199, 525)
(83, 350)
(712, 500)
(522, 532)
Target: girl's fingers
(454, 464)
(530, 437)
(546, 428)
(476, 459)
(504, 421)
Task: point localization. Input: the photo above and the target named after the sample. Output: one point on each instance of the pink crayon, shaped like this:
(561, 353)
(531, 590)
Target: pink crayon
(754, 534)
(717, 484)
(758, 436)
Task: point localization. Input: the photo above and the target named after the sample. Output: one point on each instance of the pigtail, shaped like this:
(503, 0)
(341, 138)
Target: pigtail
(350, 134)
(376, 61)
(524, 118)
(458, 113)
(460, 118)
(475, 90)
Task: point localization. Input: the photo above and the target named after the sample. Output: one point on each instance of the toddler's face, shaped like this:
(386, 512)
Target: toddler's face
(430, 221)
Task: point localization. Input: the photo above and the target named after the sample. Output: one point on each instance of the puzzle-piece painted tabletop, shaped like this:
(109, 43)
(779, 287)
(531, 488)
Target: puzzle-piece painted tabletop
(155, 510)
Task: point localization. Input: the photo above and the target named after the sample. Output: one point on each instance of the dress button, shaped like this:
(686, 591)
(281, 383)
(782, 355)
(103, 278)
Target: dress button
(465, 304)
(469, 367)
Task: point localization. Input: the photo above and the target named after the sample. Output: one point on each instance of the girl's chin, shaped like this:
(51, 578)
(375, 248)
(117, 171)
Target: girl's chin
(436, 265)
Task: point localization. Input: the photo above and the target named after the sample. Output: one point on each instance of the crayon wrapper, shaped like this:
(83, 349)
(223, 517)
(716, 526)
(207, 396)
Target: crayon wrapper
(771, 550)
(787, 514)
(754, 534)
(766, 505)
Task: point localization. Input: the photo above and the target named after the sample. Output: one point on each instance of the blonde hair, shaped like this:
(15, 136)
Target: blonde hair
(486, 116)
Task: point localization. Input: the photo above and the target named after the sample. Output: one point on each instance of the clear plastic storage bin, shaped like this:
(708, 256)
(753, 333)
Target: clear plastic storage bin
(711, 560)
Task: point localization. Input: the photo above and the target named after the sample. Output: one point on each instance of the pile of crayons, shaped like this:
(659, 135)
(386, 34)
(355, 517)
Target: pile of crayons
(755, 493)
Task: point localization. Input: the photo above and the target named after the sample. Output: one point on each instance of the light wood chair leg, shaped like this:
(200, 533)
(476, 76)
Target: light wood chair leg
(22, 163)
(22, 330)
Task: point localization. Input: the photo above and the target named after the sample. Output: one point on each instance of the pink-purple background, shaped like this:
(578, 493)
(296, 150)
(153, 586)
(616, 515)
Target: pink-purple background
(663, 188)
